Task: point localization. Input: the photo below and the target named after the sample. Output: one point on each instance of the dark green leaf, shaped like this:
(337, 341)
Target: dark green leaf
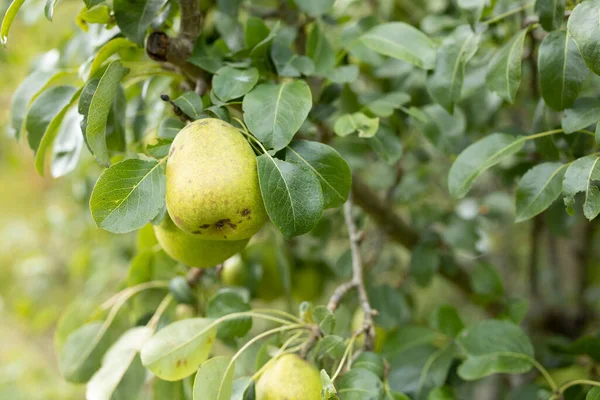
(402, 41)
(424, 263)
(135, 16)
(190, 103)
(446, 82)
(504, 74)
(99, 109)
(551, 13)
(230, 83)
(328, 165)
(580, 177)
(538, 188)
(486, 281)
(256, 31)
(562, 70)
(446, 320)
(315, 8)
(360, 384)
(324, 318)
(159, 148)
(43, 110)
(584, 28)
(391, 305)
(495, 347)
(585, 112)
(371, 362)
(292, 195)
(274, 113)
(478, 157)
(227, 302)
(386, 144)
(442, 393)
(128, 195)
(593, 394)
(170, 127)
(319, 50)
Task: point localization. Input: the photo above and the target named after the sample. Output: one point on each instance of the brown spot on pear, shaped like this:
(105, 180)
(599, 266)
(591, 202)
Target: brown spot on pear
(213, 177)
(193, 250)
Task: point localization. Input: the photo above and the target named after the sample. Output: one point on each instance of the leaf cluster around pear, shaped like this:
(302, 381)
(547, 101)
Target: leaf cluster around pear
(289, 377)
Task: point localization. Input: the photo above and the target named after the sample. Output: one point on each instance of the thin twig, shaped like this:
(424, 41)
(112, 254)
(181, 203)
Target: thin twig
(357, 276)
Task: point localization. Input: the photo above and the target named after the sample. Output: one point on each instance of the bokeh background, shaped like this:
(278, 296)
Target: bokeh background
(50, 250)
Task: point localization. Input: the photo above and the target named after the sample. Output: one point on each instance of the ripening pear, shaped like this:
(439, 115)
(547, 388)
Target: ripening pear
(289, 378)
(212, 182)
(193, 251)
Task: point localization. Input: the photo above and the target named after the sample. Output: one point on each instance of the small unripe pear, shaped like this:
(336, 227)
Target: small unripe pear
(212, 182)
(289, 378)
(193, 251)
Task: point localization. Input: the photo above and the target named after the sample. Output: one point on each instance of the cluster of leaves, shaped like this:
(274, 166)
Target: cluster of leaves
(307, 82)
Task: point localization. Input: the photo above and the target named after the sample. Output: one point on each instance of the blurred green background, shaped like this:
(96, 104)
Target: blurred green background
(50, 249)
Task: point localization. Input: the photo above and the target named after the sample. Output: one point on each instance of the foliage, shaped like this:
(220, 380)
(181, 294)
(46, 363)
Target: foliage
(443, 122)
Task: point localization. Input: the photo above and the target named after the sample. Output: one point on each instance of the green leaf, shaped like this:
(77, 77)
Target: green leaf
(255, 32)
(442, 393)
(226, 302)
(170, 127)
(242, 389)
(105, 52)
(391, 305)
(49, 8)
(584, 28)
(118, 376)
(538, 189)
(446, 82)
(209, 58)
(387, 145)
(446, 320)
(407, 337)
(504, 74)
(328, 392)
(343, 74)
(386, 104)
(26, 91)
(585, 112)
(7, 21)
(128, 195)
(231, 83)
(51, 132)
(371, 362)
(486, 281)
(478, 157)
(473, 9)
(134, 17)
(67, 146)
(314, 8)
(99, 109)
(418, 369)
(562, 70)
(551, 13)
(177, 350)
(424, 263)
(403, 42)
(214, 379)
(325, 319)
(43, 110)
(292, 195)
(495, 347)
(593, 394)
(356, 122)
(191, 104)
(99, 14)
(328, 165)
(360, 384)
(287, 63)
(159, 148)
(275, 112)
(260, 53)
(319, 50)
(580, 177)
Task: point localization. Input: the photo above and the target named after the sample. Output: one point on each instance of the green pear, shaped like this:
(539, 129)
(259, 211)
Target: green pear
(289, 378)
(212, 182)
(193, 251)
